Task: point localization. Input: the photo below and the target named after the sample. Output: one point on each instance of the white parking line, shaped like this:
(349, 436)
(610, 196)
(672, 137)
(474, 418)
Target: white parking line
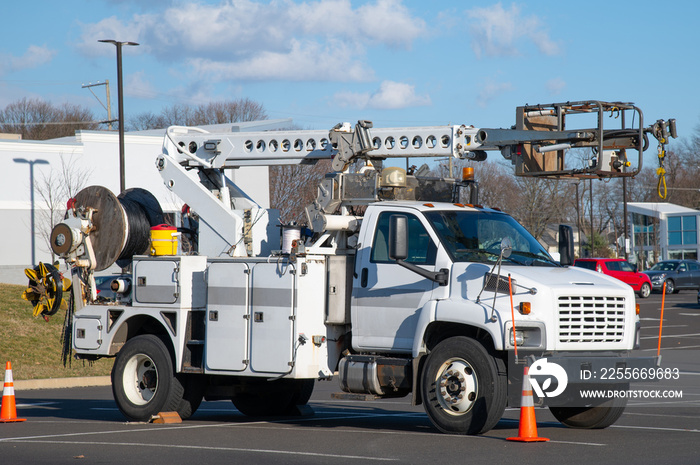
(659, 415)
(672, 335)
(671, 348)
(38, 404)
(665, 326)
(213, 448)
(656, 428)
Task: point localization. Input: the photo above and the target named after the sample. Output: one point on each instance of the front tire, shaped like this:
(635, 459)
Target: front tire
(670, 287)
(143, 383)
(462, 390)
(645, 290)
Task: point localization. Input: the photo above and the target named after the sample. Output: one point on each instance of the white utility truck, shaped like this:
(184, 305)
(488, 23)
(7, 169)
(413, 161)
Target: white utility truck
(400, 287)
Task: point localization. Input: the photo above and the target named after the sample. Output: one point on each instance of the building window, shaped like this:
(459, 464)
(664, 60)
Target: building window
(682, 230)
(689, 254)
(644, 229)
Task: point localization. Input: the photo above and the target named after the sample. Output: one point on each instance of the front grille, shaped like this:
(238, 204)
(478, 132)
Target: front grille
(591, 319)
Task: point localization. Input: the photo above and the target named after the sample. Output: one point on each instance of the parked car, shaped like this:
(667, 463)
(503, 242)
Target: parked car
(104, 291)
(677, 274)
(621, 269)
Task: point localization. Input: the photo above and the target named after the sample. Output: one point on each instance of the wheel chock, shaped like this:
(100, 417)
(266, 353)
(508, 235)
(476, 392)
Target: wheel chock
(166, 417)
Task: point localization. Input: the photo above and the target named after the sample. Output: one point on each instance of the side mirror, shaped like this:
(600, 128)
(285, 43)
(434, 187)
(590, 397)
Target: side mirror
(398, 237)
(566, 245)
(506, 247)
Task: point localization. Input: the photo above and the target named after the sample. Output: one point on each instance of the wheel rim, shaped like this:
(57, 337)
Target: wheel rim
(646, 290)
(456, 386)
(140, 379)
(669, 286)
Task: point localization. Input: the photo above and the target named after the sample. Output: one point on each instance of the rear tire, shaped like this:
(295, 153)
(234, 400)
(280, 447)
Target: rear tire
(143, 383)
(194, 387)
(461, 388)
(592, 417)
(274, 398)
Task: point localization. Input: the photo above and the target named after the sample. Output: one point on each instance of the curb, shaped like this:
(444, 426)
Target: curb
(60, 383)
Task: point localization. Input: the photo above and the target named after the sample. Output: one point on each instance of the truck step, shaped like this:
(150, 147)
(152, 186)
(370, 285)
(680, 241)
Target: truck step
(191, 369)
(353, 396)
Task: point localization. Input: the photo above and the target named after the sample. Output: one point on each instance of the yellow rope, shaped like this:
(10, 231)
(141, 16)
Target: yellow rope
(662, 183)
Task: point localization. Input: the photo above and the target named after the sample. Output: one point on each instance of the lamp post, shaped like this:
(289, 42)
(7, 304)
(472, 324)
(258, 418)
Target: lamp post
(120, 98)
(32, 226)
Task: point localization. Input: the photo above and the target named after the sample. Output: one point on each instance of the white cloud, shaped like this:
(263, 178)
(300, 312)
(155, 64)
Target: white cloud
(390, 96)
(555, 85)
(33, 57)
(305, 61)
(137, 85)
(278, 39)
(496, 31)
(491, 90)
(110, 29)
(384, 21)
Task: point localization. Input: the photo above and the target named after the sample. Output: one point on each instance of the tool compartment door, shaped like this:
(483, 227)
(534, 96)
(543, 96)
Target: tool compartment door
(227, 321)
(87, 333)
(272, 303)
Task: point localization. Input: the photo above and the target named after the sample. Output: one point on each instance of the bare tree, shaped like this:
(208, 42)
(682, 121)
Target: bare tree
(54, 189)
(230, 111)
(36, 119)
(293, 187)
(539, 202)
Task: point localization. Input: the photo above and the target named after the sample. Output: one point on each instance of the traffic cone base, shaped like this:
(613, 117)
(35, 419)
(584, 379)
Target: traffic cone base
(8, 413)
(527, 430)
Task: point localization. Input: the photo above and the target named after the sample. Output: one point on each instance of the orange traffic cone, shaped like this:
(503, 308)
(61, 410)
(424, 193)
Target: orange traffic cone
(9, 409)
(527, 431)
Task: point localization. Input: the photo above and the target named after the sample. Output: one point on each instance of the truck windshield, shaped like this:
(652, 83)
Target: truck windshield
(475, 236)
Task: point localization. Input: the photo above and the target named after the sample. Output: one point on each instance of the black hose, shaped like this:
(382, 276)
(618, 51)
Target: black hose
(138, 238)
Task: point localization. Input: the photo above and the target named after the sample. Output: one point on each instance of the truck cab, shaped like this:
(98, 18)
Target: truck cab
(454, 306)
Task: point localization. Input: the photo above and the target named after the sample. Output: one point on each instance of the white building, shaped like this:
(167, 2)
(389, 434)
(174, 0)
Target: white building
(32, 167)
(662, 231)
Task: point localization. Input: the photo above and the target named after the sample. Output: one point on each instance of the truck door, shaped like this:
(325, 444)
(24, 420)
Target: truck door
(386, 297)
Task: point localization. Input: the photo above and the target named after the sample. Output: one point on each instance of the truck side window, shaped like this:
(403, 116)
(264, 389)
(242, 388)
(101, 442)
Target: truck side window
(421, 248)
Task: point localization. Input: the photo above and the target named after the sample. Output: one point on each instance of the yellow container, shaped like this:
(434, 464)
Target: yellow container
(163, 240)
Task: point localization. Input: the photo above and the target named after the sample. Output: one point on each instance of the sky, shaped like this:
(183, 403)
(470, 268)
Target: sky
(394, 62)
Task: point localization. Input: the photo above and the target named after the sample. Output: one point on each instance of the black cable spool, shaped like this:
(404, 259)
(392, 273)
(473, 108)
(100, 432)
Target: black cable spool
(142, 211)
(121, 224)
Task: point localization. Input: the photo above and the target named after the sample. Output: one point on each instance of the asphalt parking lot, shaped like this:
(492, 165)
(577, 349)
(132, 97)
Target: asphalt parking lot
(69, 425)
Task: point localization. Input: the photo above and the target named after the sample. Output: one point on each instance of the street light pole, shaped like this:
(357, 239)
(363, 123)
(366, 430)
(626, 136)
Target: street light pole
(120, 99)
(32, 226)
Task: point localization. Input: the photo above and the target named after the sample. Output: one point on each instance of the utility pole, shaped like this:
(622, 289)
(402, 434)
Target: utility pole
(625, 235)
(591, 180)
(109, 101)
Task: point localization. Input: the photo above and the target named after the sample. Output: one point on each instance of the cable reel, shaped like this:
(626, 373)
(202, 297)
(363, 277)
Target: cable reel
(46, 290)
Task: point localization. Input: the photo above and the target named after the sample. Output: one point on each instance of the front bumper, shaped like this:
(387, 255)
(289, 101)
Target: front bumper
(557, 379)
(657, 283)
